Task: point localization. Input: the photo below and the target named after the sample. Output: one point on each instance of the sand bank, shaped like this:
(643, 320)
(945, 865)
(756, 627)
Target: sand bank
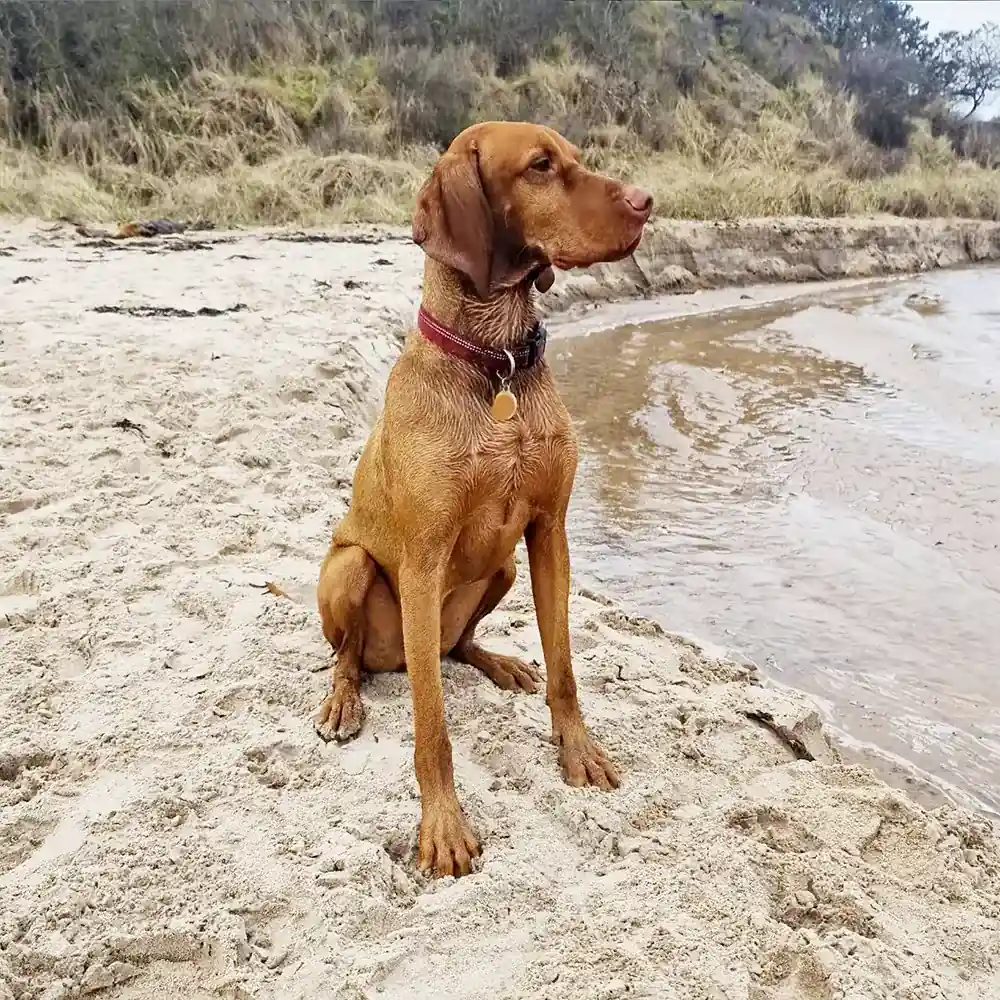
(179, 421)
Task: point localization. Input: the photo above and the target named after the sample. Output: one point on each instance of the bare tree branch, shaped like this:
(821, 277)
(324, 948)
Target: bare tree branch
(971, 63)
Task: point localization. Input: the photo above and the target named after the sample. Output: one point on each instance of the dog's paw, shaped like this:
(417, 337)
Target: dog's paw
(507, 672)
(447, 845)
(583, 763)
(341, 714)
(510, 673)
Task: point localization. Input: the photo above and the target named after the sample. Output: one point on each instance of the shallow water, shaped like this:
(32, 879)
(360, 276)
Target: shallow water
(817, 485)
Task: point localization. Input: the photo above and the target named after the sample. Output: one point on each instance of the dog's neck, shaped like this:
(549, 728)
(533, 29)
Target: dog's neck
(500, 321)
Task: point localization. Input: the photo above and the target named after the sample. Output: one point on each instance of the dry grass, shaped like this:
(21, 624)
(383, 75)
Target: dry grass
(300, 188)
(304, 188)
(277, 127)
(243, 160)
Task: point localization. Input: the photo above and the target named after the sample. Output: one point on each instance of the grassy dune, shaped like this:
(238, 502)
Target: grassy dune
(322, 112)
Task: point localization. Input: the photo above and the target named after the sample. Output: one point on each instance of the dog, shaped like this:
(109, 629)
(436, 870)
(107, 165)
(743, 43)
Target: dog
(473, 450)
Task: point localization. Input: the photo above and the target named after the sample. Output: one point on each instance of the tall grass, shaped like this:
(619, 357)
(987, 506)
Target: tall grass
(318, 111)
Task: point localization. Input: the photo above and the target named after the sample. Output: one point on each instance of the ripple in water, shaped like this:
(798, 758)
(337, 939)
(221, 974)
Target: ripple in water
(817, 486)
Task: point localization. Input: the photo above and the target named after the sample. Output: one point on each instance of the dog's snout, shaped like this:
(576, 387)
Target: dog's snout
(638, 200)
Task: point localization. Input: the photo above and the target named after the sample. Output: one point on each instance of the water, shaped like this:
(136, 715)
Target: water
(817, 485)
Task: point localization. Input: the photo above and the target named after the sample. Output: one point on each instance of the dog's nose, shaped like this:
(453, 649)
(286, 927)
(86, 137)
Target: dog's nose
(638, 200)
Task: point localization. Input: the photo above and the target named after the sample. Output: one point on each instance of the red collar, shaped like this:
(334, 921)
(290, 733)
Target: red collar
(496, 362)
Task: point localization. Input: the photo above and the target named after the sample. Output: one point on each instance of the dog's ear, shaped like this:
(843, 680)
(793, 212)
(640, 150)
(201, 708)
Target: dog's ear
(453, 221)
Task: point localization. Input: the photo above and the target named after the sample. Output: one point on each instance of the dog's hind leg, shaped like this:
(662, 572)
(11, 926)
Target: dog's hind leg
(505, 671)
(345, 580)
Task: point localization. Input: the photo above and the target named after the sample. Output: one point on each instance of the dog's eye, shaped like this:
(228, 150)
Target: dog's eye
(542, 164)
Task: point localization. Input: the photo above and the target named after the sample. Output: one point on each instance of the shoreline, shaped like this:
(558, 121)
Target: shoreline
(157, 696)
(679, 256)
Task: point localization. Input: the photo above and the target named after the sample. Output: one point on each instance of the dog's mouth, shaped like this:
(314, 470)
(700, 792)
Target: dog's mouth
(568, 264)
(610, 256)
(634, 245)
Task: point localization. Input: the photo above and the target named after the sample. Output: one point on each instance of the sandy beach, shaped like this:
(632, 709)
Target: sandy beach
(179, 423)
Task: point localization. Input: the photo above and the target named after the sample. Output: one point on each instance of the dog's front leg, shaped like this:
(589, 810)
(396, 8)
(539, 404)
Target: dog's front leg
(446, 844)
(582, 760)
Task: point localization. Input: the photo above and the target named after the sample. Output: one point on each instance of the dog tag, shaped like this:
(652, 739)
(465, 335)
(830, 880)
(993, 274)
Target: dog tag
(504, 405)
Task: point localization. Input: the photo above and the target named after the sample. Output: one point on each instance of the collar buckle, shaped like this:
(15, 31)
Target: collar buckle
(535, 343)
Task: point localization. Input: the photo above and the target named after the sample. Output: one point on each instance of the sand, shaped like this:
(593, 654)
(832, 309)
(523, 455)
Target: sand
(171, 826)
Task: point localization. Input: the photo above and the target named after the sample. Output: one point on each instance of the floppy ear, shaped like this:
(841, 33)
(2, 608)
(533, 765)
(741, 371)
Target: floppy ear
(453, 221)
(454, 224)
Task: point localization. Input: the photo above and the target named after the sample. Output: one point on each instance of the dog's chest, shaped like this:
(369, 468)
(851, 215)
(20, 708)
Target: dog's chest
(509, 480)
(507, 463)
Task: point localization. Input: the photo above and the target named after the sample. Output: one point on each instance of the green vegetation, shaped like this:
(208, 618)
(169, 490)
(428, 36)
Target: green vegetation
(317, 111)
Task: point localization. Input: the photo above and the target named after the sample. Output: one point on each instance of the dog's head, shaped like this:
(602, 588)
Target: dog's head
(509, 200)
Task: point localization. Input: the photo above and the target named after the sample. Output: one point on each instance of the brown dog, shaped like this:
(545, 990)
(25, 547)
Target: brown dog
(451, 479)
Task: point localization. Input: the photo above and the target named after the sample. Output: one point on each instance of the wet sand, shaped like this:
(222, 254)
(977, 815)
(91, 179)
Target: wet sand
(816, 485)
(179, 424)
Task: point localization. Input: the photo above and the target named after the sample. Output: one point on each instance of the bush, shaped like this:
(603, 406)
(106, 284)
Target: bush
(434, 94)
